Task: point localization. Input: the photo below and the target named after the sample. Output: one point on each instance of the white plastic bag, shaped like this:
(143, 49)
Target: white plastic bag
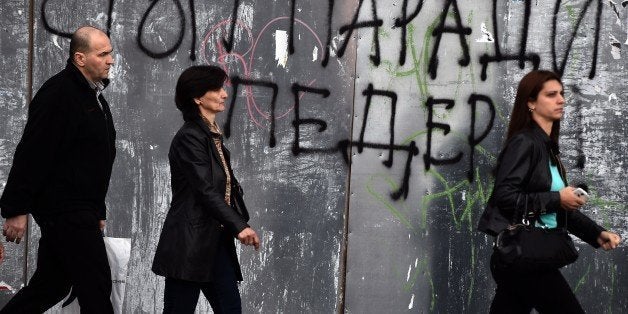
(118, 254)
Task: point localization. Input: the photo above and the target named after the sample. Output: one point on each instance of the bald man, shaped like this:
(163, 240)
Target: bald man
(60, 176)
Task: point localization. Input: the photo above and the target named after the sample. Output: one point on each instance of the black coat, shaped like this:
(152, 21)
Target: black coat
(523, 174)
(199, 220)
(63, 161)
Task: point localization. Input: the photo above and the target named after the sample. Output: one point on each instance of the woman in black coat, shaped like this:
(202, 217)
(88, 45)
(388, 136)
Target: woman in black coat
(196, 250)
(529, 168)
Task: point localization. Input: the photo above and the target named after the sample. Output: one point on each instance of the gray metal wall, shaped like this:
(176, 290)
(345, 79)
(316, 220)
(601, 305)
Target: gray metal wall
(14, 69)
(376, 211)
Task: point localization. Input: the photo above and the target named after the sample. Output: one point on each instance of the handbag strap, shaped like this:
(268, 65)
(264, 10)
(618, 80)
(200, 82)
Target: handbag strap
(522, 215)
(519, 215)
(563, 173)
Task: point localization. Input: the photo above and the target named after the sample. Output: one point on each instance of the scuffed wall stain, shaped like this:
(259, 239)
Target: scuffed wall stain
(281, 47)
(615, 48)
(487, 37)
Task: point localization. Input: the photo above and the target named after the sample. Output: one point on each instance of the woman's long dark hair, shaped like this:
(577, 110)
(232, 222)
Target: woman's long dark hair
(529, 88)
(521, 118)
(194, 82)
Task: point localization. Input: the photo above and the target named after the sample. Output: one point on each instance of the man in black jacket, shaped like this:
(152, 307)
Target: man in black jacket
(60, 175)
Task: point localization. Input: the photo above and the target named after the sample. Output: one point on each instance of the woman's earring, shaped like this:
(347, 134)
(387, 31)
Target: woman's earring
(530, 109)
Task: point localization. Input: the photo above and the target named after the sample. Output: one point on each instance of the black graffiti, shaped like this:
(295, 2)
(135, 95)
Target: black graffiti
(408, 14)
(403, 22)
(451, 8)
(344, 146)
(179, 41)
(293, 6)
(534, 58)
(229, 43)
(428, 160)
(330, 12)
(51, 29)
(580, 158)
(458, 29)
(237, 81)
(522, 57)
(475, 141)
(560, 69)
(298, 121)
(615, 10)
(369, 93)
(193, 19)
(376, 23)
(411, 149)
(405, 185)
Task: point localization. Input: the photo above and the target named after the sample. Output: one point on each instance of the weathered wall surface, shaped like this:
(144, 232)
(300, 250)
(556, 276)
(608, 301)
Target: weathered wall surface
(14, 68)
(362, 131)
(422, 253)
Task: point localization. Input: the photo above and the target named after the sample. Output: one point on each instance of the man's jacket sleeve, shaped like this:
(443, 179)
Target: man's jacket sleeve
(46, 128)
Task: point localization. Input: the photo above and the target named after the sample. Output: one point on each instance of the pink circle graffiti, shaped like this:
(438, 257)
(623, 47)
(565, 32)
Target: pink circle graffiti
(223, 55)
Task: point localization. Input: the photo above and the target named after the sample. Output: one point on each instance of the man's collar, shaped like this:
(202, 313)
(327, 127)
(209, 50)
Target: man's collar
(79, 75)
(97, 86)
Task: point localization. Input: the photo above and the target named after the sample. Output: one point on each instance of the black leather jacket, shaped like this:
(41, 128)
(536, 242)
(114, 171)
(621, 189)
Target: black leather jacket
(523, 180)
(199, 220)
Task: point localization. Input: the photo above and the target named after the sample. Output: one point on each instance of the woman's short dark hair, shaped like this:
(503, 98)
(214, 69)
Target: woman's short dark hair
(194, 82)
(529, 88)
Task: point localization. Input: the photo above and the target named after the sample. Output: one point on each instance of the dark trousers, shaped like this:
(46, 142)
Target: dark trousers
(71, 254)
(547, 292)
(181, 296)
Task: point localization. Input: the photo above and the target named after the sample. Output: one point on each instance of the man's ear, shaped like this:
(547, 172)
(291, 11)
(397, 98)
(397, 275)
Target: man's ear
(79, 58)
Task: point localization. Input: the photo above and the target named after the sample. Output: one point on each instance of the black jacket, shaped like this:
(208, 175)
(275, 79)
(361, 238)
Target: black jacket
(198, 219)
(63, 161)
(523, 175)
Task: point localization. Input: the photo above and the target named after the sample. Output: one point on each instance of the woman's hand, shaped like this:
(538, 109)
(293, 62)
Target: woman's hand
(249, 237)
(608, 240)
(569, 200)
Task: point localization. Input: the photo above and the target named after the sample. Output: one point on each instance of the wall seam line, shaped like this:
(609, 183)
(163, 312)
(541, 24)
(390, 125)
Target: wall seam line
(29, 95)
(345, 235)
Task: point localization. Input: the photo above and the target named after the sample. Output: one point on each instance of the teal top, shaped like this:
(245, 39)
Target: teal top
(549, 220)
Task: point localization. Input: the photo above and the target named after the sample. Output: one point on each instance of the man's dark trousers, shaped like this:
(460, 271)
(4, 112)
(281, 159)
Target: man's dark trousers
(71, 254)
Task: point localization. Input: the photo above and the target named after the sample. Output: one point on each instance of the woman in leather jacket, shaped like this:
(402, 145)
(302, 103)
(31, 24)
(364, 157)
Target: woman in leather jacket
(196, 250)
(529, 168)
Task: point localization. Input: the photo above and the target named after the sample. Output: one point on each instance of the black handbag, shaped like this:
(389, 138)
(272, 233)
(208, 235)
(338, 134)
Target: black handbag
(524, 248)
